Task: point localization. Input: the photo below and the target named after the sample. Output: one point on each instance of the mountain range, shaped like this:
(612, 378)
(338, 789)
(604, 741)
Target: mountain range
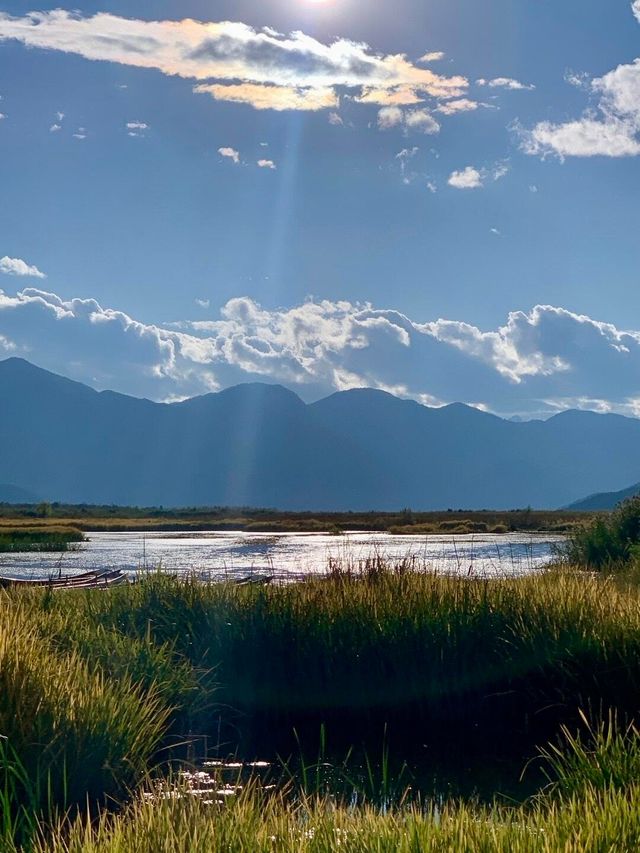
(605, 500)
(261, 445)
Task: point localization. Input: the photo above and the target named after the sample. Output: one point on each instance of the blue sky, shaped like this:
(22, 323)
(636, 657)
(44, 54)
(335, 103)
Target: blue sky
(440, 199)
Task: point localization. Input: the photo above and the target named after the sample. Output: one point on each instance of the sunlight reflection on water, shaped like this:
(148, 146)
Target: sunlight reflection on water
(232, 554)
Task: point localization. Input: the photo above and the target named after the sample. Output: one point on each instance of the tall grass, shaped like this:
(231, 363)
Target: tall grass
(45, 538)
(436, 645)
(94, 682)
(70, 733)
(597, 820)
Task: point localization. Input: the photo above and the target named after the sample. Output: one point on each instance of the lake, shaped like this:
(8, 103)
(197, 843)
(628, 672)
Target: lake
(235, 554)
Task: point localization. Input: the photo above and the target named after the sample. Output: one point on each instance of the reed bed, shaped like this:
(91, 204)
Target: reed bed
(596, 820)
(380, 639)
(31, 537)
(93, 683)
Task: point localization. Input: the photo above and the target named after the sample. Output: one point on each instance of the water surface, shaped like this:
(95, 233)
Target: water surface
(234, 554)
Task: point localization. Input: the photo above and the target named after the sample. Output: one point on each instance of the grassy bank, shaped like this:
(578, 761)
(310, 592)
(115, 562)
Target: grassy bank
(95, 684)
(47, 537)
(105, 518)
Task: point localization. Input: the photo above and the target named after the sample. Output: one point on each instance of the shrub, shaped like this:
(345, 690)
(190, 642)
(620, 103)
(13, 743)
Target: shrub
(607, 542)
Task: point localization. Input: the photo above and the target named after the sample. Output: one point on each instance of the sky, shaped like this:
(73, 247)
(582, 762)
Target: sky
(436, 198)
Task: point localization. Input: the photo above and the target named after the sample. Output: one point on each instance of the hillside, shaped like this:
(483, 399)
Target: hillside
(605, 500)
(260, 445)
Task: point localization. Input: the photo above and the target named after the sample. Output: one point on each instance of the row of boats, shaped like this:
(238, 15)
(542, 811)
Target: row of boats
(87, 580)
(102, 579)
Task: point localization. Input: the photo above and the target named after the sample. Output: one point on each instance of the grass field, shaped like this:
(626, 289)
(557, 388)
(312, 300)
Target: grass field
(95, 685)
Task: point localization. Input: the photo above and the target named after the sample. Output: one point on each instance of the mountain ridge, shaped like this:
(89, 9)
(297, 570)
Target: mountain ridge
(259, 444)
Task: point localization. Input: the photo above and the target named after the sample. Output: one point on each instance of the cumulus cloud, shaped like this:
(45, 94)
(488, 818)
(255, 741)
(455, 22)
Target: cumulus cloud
(417, 121)
(231, 60)
(505, 83)
(471, 178)
(541, 360)
(612, 129)
(466, 179)
(229, 154)
(266, 164)
(16, 266)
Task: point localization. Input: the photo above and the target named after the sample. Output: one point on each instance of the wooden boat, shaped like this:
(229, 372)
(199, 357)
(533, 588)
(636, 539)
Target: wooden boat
(86, 580)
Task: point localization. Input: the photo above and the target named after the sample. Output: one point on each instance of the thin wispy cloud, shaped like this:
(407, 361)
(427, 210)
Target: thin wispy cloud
(460, 105)
(432, 56)
(137, 128)
(505, 83)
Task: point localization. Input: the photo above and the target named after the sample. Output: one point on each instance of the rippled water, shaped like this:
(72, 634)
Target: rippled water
(288, 555)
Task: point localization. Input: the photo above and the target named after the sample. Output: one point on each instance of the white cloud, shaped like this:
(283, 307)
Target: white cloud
(261, 67)
(538, 360)
(2, 116)
(137, 129)
(466, 179)
(266, 164)
(505, 83)
(16, 266)
(471, 178)
(203, 303)
(389, 117)
(495, 231)
(611, 130)
(420, 121)
(278, 98)
(336, 120)
(81, 133)
(435, 55)
(460, 105)
(229, 154)
(59, 116)
(405, 156)
(55, 128)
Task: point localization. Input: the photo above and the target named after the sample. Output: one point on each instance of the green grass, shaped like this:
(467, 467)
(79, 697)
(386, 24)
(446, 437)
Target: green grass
(94, 683)
(42, 538)
(607, 541)
(597, 820)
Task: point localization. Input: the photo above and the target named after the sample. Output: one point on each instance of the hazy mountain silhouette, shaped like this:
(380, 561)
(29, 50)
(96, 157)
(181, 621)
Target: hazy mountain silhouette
(10, 494)
(605, 500)
(260, 445)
